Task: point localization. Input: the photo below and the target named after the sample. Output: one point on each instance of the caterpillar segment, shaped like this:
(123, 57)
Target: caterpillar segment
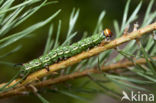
(65, 52)
(54, 56)
(45, 60)
(35, 64)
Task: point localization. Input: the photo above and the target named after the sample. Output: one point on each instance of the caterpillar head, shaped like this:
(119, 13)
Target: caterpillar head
(107, 32)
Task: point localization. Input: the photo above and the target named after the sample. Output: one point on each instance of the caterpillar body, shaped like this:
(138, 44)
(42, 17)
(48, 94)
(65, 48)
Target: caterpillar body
(66, 52)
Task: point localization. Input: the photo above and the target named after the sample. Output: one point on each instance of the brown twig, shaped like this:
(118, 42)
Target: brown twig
(75, 59)
(18, 91)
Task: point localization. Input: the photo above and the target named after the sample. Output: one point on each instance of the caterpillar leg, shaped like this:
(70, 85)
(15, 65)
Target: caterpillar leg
(47, 68)
(23, 75)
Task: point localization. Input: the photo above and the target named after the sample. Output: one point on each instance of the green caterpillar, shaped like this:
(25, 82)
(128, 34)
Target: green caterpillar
(65, 52)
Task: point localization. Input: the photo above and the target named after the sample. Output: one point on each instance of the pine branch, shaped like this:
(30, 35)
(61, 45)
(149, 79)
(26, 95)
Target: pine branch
(64, 78)
(90, 53)
(75, 59)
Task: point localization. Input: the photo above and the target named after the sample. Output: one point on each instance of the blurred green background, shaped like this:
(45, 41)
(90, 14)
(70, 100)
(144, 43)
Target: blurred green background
(33, 46)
